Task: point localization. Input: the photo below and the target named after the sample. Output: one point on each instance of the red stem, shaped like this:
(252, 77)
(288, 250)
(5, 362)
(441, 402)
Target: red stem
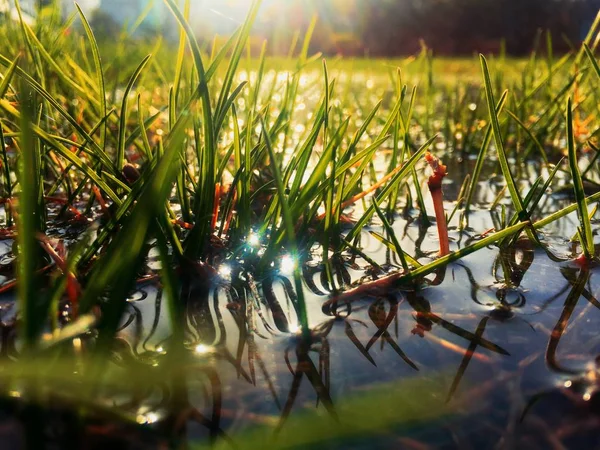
(440, 218)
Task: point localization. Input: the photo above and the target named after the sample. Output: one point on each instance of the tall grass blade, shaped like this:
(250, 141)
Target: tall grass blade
(406, 169)
(510, 182)
(7, 78)
(289, 225)
(98, 68)
(120, 156)
(27, 226)
(392, 235)
(119, 265)
(592, 59)
(587, 239)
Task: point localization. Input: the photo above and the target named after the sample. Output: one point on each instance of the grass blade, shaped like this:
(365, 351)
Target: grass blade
(289, 225)
(119, 265)
(510, 182)
(120, 156)
(28, 226)
(5, 84)
(402, 173)
(98, 67)
(587, 240)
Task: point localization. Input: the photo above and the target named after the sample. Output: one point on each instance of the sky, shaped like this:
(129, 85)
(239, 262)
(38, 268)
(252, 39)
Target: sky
(221, 15)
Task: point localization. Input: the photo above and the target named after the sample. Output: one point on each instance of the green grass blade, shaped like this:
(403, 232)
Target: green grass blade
(389, 244)
(529, 133)
(119, 265)
(459, 254)
(204, 197)
(181, 51)
(587, 242)
(392, 234)
(234, 61)
(142, 128)
(120, 156)
(592, 59)
(27, 227)
(7, 77)
(289, 225)
(98, 151)
(510, 182)
(64, 152)
(98, 68)
(6, 176)
(592, 31)
(47, 57)
(402, 173)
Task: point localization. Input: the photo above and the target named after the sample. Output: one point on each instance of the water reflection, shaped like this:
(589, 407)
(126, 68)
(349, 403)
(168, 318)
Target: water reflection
(260, 349)
(492, 339)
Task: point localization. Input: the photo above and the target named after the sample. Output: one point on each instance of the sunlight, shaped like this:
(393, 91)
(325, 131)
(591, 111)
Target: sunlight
(287, 265)
(148, 418)
(225, 271)
(253, 240)
(234, 10)
(222, 15)
(202, 349)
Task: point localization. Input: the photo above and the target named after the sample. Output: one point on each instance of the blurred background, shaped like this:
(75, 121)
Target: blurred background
(355, 27)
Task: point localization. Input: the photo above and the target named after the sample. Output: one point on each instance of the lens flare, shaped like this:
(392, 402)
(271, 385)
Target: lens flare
(287, 265)
(202, 349)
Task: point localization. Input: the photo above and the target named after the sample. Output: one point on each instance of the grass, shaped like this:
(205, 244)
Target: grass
(225, 161)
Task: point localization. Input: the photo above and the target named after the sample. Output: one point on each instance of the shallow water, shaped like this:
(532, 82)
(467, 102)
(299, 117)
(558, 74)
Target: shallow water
(496, 351)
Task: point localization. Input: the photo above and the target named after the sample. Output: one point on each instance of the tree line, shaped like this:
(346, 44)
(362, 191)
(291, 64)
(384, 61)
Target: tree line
(455, 27)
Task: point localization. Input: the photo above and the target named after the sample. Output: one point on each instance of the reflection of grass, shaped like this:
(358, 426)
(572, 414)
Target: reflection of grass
(233, 165)
(388, 408)
(141, 394)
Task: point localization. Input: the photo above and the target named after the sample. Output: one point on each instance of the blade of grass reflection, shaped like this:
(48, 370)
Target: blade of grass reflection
(578, 286)
(306, 367)
(268, 379)
(454, 329)
(464, 364)
(356, 342)
(388, 406)
(398, 350)
(381, 320)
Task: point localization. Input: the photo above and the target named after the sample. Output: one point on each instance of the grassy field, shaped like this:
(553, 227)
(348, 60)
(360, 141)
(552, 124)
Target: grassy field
(225, 167)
